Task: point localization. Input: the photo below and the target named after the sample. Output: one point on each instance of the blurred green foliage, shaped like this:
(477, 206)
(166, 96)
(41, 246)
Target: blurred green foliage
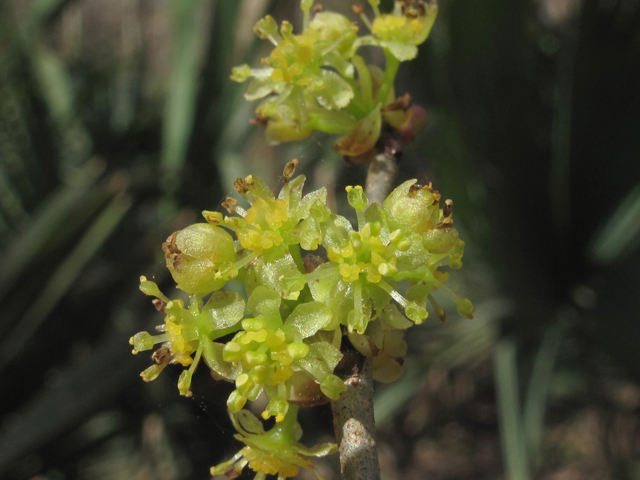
(118, 124)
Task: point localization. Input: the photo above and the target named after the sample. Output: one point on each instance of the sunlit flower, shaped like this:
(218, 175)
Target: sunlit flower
(402, 30)
(269, 350)
(295, 77)
(187, 334)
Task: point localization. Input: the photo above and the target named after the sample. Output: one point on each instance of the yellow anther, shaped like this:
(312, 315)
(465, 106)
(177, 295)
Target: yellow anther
(173, 328)
(183, 359)
(350, 273)
(334, 255)
(376, 245)
(347, 251)
(376, 258)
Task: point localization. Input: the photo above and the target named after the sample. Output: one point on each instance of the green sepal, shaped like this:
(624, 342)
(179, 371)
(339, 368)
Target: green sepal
(330, 90)
(307, 318)
(213, 356)
(223, 310)
(264, 301)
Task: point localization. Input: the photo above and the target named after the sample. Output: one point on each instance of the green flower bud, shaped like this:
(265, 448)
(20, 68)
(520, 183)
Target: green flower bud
(267, 29)
(195, 254)
(415, 312)
(465, 307)
(240, 73)
(357, 198)
(184, 383)
(440, 240)
(410, 207)
(141, 341)
(151, 373)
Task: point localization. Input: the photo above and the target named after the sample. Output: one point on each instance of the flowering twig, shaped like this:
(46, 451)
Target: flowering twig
(353, 416)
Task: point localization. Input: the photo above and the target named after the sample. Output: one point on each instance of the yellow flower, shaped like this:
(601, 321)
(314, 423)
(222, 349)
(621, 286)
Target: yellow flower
(275, 452)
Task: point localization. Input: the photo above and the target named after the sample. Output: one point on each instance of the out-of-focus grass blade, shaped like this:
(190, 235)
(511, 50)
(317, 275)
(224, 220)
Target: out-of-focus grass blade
(29, 243)
(620, 235)
(511, 428)
(537, 391)
(78, 391)
(56, 88)
(63, 278)
(10, 202)
(190, 33)
(40, 12)
(235, 127)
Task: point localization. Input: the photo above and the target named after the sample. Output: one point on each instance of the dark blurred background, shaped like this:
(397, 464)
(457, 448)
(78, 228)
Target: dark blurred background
(119, 124)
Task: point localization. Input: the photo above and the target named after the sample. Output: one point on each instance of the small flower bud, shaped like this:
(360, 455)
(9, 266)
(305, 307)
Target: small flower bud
(141, 341)
(240, 73)
(195, 254)
(465, 307)
(357, 198)
(415, 312)
(184, 383)
(151, 373)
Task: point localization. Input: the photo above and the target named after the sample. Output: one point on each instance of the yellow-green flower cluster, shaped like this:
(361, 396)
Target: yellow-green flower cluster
(316, 80)
(406, 27)
(269, 350)
(281, 337)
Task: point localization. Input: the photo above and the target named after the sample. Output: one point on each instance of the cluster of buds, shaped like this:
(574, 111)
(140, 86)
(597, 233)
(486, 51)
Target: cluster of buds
(283, 337)
(317, 81)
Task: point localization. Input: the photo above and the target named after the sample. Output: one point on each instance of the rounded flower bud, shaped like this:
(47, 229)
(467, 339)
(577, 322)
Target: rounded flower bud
(440, 240)
(409, 207)
(195, 256)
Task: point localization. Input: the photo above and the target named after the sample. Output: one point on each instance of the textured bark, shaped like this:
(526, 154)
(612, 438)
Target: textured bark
(383, 172)
(355, 427)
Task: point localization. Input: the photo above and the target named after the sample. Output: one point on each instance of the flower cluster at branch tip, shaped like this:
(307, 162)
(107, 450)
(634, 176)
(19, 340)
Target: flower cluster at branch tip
(283, 338)
(317, 81)
(276, 289)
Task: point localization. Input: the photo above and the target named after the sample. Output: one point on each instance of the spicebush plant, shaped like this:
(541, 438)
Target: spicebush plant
(310, 277)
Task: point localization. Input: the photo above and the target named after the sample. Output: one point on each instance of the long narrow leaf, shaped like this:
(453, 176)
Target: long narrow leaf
(512, 431)
(63, 278)
(536, 399)
(29, 243)
(190, 34)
